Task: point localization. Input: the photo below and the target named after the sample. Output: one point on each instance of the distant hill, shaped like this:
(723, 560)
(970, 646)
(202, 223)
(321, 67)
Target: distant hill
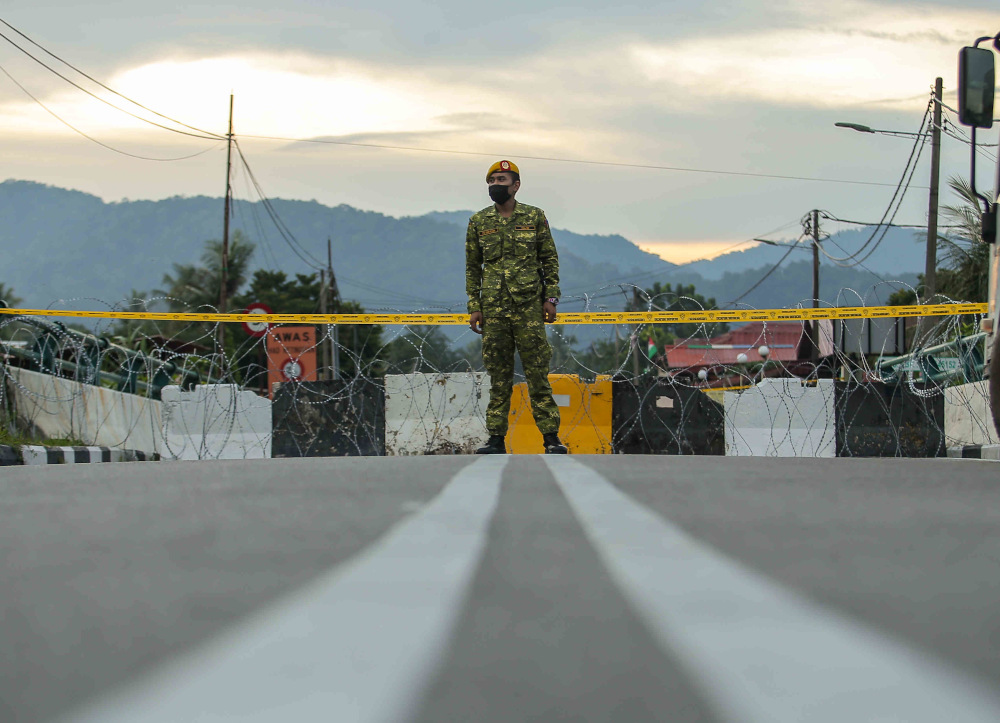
(66, 245)
(900, 250)
(61, 244)
(615, 250)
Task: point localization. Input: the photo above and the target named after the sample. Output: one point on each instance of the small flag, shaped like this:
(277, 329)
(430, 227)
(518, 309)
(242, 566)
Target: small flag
(651, 351)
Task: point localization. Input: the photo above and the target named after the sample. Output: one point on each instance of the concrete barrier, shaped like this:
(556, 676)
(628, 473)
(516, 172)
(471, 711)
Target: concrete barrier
(328, 418)
(967, 418)
(435, 413)
(889, 420)
(658, 416)
(215, 421)
(781, 418)
(584, 416)
(63, 408)
(35, 455)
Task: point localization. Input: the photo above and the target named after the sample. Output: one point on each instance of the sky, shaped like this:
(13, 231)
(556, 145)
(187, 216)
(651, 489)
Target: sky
(600, 104)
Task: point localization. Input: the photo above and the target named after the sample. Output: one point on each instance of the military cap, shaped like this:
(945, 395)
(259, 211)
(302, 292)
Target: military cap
(502, 166)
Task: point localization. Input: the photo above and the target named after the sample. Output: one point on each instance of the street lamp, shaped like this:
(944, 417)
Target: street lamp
(867, 129)
(855, 127)
(769, 242)
(930, 264)
(813, 333)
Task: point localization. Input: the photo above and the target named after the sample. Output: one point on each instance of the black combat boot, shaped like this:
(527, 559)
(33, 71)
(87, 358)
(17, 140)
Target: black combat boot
(494, 446)
(553, 445)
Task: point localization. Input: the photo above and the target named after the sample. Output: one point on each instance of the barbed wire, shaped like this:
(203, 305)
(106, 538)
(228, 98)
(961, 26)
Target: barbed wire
(405, 389)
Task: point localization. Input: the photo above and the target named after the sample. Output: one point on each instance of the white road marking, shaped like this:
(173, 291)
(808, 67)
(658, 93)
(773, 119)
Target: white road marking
(358, 644)
(760, 652)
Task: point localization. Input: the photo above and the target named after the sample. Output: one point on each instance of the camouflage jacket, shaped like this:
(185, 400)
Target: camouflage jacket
(511, 261)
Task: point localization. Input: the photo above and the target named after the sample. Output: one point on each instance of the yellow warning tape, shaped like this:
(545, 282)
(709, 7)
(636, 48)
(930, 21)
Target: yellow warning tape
(603, 317)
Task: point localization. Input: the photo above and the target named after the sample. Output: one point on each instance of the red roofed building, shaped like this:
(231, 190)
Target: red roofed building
(788, 342)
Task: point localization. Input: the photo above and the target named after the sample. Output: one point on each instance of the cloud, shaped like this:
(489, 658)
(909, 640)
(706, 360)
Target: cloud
(290, 95)
(565, 98)
(834, 56)
(759, 96)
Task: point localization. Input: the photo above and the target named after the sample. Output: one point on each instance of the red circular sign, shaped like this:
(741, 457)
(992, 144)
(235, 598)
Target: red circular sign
(257, 328)
(292, 370)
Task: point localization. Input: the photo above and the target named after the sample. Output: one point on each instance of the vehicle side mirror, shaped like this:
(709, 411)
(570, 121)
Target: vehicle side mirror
(976, 87)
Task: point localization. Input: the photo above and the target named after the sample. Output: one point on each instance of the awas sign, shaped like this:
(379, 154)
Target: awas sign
(291, 355)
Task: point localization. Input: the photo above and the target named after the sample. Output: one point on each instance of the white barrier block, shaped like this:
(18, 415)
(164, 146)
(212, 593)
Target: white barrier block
(967, 417)
(215, 421)
(435, 413)
(781, 418)
(95, 415)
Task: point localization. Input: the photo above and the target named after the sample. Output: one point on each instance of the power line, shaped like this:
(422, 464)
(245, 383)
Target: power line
(764, 277)
(567, 160)
(303, 253)
(238, 209)
(394, 294)
(293, 243)
(200, 134)
(954, 130)
(897, 198)
(948, 107)
(830, 239)
(91, 138)
(899, 204)
(673, 267)
(107, 88)
(829, 216)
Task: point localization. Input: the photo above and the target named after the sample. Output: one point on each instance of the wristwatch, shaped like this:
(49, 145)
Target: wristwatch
(553, 301)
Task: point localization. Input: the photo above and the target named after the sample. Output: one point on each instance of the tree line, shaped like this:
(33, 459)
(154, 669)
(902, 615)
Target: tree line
(963, 275)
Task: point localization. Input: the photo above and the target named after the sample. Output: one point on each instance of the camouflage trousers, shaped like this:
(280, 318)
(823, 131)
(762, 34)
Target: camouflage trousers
(523, 330)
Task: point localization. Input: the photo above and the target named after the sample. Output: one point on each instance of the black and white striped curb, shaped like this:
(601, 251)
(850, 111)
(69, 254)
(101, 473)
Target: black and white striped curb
(976, 451)
(37, 454)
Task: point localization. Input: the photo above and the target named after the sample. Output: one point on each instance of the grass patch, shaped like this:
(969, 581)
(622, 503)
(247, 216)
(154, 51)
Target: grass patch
(19, 440)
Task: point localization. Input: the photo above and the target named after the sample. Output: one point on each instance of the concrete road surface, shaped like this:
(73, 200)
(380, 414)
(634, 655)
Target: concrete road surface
(613, 588)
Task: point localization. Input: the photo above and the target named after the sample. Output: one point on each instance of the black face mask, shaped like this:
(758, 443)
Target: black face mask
(500, 194)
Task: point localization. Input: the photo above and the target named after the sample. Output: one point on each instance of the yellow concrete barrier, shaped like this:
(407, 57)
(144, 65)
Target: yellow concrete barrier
(585, 416)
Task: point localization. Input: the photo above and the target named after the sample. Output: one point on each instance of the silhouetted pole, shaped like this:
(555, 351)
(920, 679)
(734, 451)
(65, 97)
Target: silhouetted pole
(223, 300)
(323, 309)
(635, 340)
(930, 263)
(814, 324)
(334, 341)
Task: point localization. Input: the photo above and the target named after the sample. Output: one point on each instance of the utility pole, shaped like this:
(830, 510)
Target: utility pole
(930, 264)
(223, 300)
(324, 358)
(635, 335)
(814, 324)
(331, 349)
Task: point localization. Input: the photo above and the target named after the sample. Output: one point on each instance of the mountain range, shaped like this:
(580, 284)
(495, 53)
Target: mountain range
(74, 250)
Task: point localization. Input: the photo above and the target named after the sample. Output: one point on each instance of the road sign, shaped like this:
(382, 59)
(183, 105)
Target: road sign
(291, 355)
(291, 370)
(257, 328)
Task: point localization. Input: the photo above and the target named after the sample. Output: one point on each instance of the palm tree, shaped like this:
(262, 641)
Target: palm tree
(191, 286)
(196, 288)
(9, 327)
(965, 257)
(8, 298)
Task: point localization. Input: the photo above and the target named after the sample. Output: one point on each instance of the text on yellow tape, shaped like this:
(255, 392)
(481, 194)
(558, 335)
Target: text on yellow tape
(602, 317)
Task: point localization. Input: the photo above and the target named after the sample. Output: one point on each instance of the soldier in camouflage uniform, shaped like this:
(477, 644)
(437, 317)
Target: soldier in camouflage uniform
(512, 278)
